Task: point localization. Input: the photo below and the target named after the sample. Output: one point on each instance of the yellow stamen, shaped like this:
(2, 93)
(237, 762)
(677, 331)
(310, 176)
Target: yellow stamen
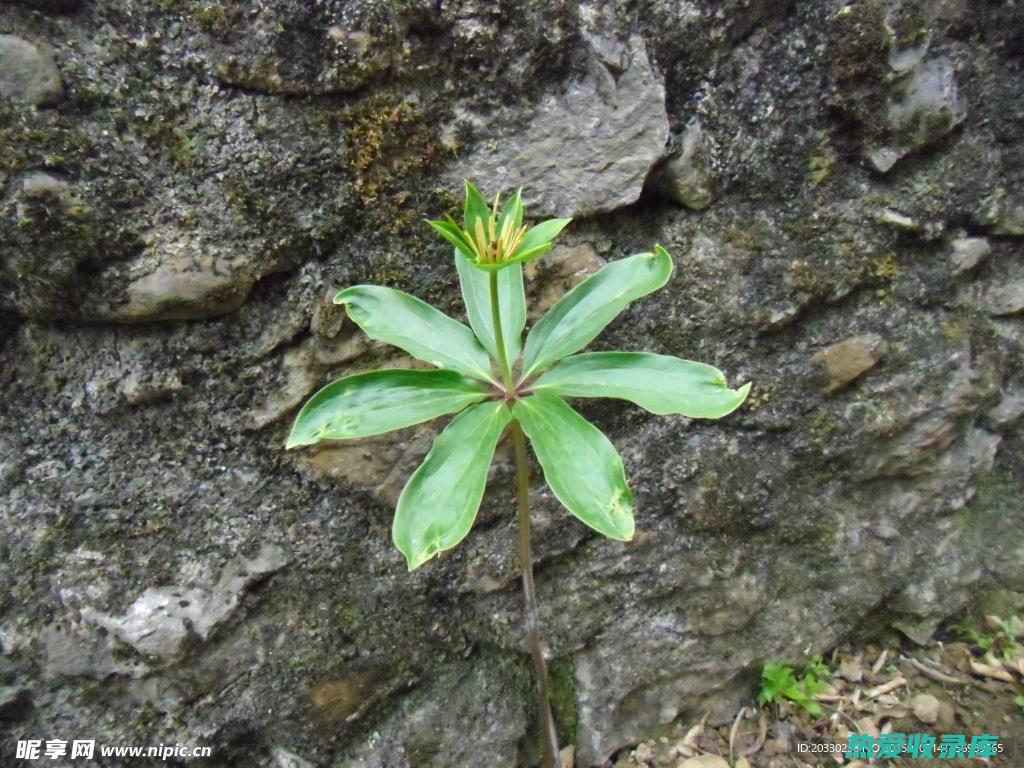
(506, 234)
(517, 239)
(481, 239)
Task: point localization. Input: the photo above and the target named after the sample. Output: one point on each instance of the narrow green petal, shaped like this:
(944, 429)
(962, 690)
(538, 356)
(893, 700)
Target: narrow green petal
(439, 503)
(541, 234)
(380, 401)
(476, 208)
(580, 464)
(522, 256)
(454, 235)
(514, 210)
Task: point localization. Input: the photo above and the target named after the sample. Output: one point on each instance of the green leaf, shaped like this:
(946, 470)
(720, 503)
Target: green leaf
(511, 300)
(380, 401)
(540, 234)
(659, 383)
(585, 310)
(450, 231)
(580, 464)
(513, 209)
(439, 503)
(426, 333)
(476, 207)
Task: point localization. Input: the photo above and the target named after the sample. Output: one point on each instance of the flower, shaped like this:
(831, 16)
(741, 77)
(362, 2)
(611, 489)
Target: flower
(491, 241)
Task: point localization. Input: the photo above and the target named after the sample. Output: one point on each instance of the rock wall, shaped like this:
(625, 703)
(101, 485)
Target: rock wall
(184, 186)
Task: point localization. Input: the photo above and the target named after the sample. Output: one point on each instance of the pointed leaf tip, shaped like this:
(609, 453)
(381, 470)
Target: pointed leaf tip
(583, 312)
(372, 403)
(438, 505)
(421, 330)
(580, 464)
(659, 383)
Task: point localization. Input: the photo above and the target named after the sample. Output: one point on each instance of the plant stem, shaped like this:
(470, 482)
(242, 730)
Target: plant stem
(548, 738)
(499, 336)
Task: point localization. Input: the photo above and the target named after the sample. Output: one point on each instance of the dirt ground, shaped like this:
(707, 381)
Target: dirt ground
(969, 682)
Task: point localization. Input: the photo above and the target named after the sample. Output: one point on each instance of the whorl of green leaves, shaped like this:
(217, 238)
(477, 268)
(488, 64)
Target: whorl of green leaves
(437, 508)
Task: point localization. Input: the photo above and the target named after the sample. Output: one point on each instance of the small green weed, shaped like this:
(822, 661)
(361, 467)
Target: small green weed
(780, 682)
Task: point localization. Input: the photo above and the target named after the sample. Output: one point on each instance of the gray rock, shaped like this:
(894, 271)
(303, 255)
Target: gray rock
(296, 49)
(74, 653)
(160, 622)
(850, 359)
(39, 185)
(283, 758)
(581, 150)
(922, 109)
(999, 299)
(1007, 412)
(28, 73)
(135, 455)
(926, 708)
(1004, 215)
(686, 178)
(188, 280)
(967, 253)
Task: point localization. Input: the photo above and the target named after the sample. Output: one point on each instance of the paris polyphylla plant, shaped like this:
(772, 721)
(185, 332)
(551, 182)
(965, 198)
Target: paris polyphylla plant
(495, 381)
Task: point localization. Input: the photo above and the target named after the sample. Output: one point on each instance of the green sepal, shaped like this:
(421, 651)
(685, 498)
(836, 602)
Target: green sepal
(513, 209)
(451, 232)
(476, 207)
(539, 235)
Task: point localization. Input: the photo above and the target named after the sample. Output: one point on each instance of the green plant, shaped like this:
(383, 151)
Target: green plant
(495, 382)
(779, 681)
(1019, 701)
(1000, 641)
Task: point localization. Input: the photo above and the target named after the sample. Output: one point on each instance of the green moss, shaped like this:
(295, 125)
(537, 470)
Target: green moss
(562, 682)
(215, 20)
(820, 164)
(745, 239)
(863, 39)
(387, 141)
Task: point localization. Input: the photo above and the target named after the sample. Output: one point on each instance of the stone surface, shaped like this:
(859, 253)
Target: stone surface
(704, 761)
(584, 149)
(968, 252)
(687, 178)
(28, 73)
(850, 359)
(15, 702)
(1000, 299)
(556, 273)
(159, 623)
(175, 226)
(57, 6)
(923, 107)
(1009, 409)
